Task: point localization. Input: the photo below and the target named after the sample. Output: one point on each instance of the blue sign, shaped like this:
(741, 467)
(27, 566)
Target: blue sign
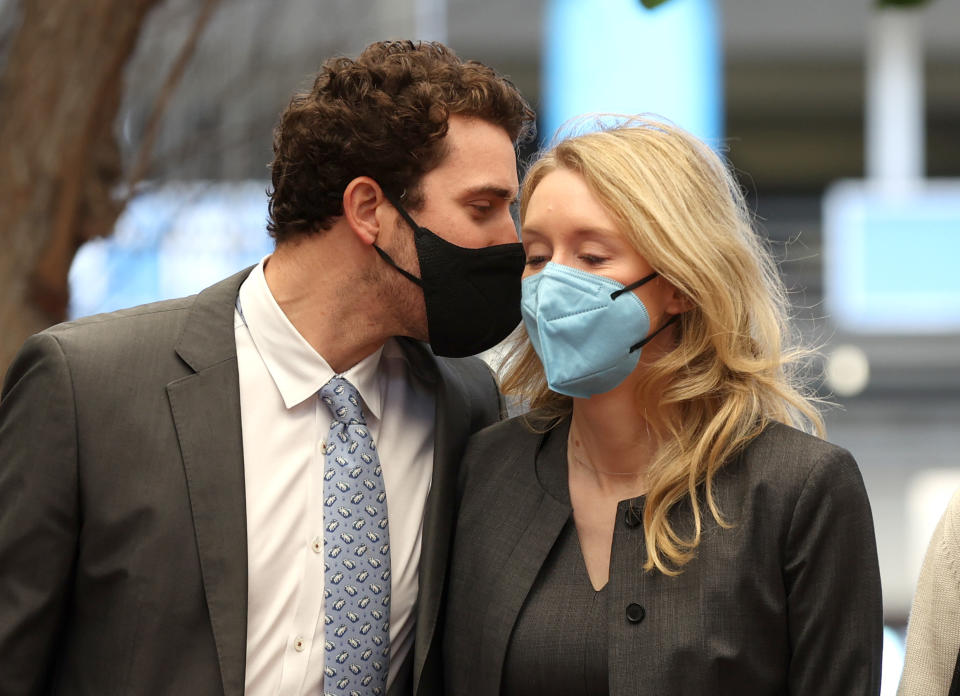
(890, 257)
(615, 56)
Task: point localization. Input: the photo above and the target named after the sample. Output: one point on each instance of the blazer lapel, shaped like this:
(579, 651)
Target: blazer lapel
(206, 414)
(512, 586)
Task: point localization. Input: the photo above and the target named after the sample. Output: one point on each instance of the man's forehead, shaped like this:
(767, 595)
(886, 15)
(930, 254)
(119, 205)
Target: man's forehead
(480, 157)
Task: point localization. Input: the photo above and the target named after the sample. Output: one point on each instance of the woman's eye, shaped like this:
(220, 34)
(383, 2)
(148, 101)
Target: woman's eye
(591, 259)
(536, 260)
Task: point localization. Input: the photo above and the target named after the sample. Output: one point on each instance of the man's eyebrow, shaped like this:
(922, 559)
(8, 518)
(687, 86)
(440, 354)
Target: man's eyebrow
(494, 190)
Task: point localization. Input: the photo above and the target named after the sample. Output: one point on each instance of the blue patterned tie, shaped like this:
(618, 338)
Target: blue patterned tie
(356, 544)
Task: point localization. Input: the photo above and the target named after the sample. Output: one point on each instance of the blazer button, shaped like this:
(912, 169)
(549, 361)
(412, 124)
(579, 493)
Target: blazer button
(632, 517)
(635, 613)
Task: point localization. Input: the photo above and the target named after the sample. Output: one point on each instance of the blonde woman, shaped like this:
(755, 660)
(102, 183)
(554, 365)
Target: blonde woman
(659, 523)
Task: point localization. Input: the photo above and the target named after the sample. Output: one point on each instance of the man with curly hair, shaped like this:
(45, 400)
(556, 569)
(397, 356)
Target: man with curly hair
(168, 517)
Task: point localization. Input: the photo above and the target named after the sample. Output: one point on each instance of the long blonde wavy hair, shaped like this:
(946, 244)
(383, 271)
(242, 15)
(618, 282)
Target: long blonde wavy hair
(736, 364)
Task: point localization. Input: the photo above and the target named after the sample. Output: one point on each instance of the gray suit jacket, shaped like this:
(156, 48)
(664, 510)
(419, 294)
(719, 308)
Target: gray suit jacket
(786, 601)
(123, 560)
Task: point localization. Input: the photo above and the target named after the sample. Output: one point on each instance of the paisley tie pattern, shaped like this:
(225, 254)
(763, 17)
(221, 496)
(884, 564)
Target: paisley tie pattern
(356, 543)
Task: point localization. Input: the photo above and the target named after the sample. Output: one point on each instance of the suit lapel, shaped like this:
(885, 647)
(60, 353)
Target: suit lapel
(451, 430)
(206, 414)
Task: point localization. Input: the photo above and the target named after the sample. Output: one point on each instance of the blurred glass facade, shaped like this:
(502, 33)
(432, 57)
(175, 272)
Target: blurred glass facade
(172, 241)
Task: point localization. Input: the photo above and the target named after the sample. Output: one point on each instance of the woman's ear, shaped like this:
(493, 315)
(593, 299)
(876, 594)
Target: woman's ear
(362, 208)
(677, 301)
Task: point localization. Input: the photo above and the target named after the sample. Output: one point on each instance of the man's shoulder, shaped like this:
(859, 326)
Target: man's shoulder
(151, 321)
(150, 339)
(145, 314)
(103, 351)
(148, 331)
(473, 371)
(472, 376)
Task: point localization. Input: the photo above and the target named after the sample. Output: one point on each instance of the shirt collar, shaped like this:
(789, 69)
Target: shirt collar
(295, 367)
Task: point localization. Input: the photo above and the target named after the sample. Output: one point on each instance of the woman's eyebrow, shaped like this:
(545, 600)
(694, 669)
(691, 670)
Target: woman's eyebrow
(599, 233)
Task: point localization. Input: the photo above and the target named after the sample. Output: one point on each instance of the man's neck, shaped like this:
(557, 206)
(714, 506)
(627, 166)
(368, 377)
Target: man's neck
(320, 285)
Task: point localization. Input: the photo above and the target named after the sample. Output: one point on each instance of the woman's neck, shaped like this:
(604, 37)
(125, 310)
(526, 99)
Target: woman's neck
(611, 439)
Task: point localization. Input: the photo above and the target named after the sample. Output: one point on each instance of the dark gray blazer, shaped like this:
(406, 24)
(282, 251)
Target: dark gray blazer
(123, 560)
(786, 601)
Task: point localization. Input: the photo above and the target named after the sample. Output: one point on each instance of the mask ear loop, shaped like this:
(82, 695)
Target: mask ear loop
(416, 228)
(633, 286)
(407, 274)
(641, 344)
(403, 212)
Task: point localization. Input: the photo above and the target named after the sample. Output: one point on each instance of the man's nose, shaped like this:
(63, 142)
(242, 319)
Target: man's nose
(505, 232)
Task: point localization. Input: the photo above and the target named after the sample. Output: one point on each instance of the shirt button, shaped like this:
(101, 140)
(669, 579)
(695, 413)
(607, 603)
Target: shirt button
(635, 613)
(316, 544)
(632, 517)
(298, 644)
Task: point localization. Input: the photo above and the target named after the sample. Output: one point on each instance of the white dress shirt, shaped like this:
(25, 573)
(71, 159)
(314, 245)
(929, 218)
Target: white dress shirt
(284, 425)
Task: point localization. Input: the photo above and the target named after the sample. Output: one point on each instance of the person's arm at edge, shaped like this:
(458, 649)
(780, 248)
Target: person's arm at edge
(38, 511)
(933, 632)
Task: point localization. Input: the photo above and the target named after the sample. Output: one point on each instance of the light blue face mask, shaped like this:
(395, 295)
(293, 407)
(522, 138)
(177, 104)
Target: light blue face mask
(587, 329)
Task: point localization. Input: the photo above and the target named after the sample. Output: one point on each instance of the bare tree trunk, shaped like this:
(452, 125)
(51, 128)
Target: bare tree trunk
(59, 95)
(59, 160)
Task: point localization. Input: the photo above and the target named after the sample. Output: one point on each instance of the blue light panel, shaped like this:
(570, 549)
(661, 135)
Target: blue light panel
(890, 258)
(615, 56)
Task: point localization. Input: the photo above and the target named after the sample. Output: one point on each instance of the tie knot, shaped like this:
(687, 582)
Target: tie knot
(343, 400)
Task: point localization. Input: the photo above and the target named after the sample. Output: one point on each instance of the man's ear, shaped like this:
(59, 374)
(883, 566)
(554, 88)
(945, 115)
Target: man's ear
(363, 201)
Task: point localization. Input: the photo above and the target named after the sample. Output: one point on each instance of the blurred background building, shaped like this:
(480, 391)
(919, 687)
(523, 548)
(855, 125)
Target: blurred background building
(785, 85)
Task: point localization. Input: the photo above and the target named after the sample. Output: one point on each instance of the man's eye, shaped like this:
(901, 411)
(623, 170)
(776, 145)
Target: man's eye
(482, 208)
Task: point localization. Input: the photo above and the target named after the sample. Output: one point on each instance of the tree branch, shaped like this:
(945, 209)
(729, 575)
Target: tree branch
(145, 153)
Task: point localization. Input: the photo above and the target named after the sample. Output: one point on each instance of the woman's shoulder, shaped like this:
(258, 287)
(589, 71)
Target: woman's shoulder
(506, 446)
(784, 450)
(799, 492)
(798, 465)
(528, 428)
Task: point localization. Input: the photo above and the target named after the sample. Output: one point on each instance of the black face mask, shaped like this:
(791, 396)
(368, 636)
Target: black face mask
(472, 295)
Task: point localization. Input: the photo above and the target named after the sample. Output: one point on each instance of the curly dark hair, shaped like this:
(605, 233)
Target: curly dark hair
(383, 115)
